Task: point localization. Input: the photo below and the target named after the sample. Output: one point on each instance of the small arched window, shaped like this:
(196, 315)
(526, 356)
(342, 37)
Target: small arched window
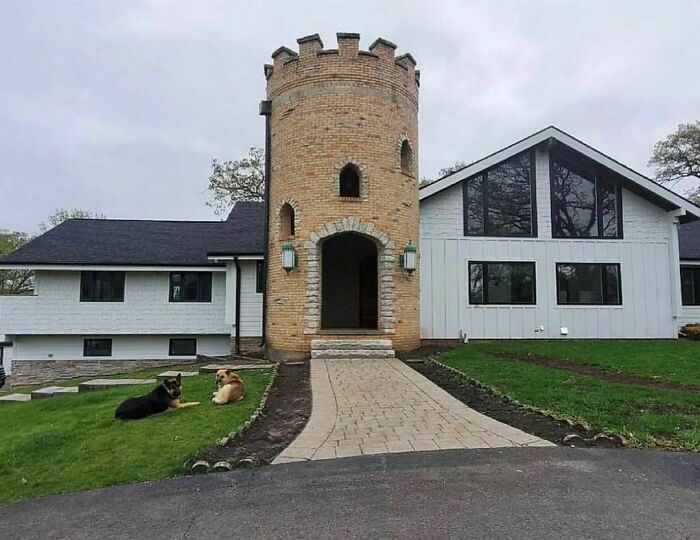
(406, 158)
(286, 221)
(349, 181)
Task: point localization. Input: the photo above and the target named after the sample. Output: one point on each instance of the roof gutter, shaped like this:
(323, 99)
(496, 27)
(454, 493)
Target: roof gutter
(266, 111)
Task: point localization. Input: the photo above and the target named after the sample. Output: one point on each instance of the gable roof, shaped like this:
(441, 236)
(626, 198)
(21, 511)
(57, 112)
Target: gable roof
(144, 242)
(642, 185)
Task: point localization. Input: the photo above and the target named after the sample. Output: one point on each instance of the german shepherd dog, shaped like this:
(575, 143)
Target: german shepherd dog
(166, 396)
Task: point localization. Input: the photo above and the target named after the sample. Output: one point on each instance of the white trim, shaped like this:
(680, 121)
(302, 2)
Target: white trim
(232, 257)
(575, 144)
(113, 267)
(689, 262)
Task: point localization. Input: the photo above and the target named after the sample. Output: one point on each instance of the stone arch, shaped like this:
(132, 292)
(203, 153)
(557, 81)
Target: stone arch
(385, 269)
(281, 215)
(361, 168)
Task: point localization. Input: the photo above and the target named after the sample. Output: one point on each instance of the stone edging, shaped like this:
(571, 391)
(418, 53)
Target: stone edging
(202, 466)
(614, 438)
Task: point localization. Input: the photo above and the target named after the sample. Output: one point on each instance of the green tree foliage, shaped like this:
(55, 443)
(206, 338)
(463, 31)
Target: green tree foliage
(677, 157)
(14, 281)
(240, 180)
(61, 215)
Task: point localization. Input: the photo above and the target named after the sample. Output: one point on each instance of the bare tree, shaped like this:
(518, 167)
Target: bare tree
(61, 215)
(240, 180)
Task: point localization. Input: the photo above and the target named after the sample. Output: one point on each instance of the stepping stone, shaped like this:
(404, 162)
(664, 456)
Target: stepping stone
(103, 384)
(173, 374)
(15, 398)
(213, 368)
(52, 391)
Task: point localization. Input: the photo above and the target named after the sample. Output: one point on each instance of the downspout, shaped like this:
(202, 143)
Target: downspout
(237, 339)
(266, 111)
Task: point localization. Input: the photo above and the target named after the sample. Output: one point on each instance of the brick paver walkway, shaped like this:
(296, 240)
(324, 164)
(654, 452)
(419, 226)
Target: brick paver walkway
(380, 406)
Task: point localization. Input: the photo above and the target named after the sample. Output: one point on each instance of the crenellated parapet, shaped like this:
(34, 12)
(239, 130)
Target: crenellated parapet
(315, 66)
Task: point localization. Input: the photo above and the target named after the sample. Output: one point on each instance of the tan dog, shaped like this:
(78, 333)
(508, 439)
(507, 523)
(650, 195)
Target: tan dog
(230, 387)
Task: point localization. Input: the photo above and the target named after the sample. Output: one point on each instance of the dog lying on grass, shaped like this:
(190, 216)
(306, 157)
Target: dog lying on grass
(230, 387)
(165, 397)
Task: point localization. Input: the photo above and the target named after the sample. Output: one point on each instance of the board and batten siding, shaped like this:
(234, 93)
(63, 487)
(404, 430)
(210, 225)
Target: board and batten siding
(251, 300)
(644, 254)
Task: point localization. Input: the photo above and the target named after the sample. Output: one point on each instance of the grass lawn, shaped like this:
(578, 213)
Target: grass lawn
(645, 416)
(73, 443)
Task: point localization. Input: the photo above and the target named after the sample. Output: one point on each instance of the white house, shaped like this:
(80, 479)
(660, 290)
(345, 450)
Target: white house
(546, 238)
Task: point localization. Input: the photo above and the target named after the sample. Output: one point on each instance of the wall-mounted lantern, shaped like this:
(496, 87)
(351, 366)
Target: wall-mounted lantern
(408, 258)
(289, 257)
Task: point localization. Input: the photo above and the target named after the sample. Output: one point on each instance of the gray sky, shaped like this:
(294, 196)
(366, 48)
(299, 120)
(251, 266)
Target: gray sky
(119, 107)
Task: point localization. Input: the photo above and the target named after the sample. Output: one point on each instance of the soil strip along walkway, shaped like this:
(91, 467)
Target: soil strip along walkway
(380, 406)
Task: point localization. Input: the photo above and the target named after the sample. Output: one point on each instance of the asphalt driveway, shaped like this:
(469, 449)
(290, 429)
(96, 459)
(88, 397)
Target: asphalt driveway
(494, 493)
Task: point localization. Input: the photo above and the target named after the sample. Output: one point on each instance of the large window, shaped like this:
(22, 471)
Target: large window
(101, 286)
(585, 283)
(190, 287)
(97, 347)
(501, 283)
(182, 347)
(584, 205)
(690, 285)
(501, 200)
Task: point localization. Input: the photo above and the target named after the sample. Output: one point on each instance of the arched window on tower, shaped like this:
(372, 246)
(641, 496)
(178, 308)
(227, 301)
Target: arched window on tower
(286, 221)
(349, 182)
(406, 158)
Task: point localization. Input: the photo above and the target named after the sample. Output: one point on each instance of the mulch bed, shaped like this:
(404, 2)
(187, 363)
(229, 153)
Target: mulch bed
(598, 372)
(285, 414)
(499, 407)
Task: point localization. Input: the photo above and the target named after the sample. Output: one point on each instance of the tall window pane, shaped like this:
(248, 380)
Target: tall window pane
(475, 206)
(608, 210)
(501, 283)
(573, 203)
(510, 198)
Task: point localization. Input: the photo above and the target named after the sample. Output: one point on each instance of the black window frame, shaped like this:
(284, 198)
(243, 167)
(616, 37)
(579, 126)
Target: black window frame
(92, 276)
(259, 277)
(488, 230)
(204, 295)
(695, 287)
(173, 341)
(604, 278)
(87, 352)
(485, 301)
(600, 179)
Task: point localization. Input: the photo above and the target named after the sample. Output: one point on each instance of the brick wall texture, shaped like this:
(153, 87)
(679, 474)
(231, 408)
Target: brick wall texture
(330, 108)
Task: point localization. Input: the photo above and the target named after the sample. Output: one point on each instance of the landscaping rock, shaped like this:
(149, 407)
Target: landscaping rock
(173, 374)
(52, 391)
(200, 467)
(213, 368)
(103, 384)
(275, 435)
(15, 398)
(607, 441)
(221, 466)
(574, 440)
(247, 462)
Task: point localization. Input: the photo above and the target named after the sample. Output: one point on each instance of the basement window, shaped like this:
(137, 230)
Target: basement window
(182, 347)
(97, 347)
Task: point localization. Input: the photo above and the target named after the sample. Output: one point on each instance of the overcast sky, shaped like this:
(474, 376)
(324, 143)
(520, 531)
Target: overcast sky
(119, 107)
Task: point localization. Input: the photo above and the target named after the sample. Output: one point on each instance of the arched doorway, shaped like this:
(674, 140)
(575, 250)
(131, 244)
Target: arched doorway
(349, 282)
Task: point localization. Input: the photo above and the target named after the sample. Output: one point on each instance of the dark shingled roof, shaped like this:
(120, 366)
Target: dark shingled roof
(156, 243)
(689, 240)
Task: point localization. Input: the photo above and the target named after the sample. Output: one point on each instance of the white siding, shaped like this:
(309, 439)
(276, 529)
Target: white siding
(644, 255)
(251, 302)
(123, 347)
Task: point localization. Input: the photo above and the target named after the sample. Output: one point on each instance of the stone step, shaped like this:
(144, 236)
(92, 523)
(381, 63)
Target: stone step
(213, 368)
(351, 344)
(53, 391)
(352, 353)
(104, 384)
(15, 398)
(173, 374)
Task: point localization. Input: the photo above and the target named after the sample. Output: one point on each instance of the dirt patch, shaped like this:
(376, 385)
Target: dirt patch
(285, 414)
(597, 372)
(499, 407)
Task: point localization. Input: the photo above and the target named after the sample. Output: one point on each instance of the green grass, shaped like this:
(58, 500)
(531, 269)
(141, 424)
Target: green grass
(73, 443)
(669, 360)
(645, 416)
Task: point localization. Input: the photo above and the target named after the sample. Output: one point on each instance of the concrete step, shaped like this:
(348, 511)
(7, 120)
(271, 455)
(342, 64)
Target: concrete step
(352, 353)
(213, 368)
(173, 374)
(351, 344)
(15, 398)
(104, 384)
(53, 391)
